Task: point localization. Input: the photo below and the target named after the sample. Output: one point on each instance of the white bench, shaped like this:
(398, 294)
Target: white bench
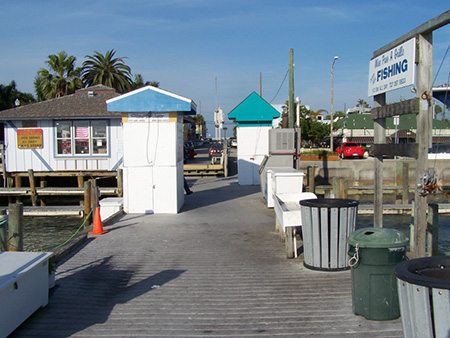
(288, 217)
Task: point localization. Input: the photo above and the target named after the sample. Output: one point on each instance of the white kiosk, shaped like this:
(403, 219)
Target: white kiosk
(254, 118)
(152, 149)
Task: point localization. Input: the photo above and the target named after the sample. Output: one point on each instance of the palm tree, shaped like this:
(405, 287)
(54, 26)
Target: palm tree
(139, 82)
(363, 104)
(60, 79)
(107, 70)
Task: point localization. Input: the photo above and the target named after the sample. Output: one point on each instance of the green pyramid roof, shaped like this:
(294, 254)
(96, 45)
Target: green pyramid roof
(253, 111)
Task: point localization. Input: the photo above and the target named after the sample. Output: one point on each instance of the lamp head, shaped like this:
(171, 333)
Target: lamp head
(336, 57)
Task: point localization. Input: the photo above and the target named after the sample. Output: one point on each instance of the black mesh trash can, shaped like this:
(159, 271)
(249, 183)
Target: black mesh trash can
(326, 224)
(424, 296)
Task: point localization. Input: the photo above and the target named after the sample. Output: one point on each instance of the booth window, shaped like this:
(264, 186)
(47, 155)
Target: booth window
(81, 138)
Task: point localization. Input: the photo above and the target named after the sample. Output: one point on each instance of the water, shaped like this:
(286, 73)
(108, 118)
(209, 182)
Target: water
(402, 222)
(40, 233)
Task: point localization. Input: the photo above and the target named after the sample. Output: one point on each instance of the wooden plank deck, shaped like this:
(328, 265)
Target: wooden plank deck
(55, 191)
(216, 269)
(203, 169)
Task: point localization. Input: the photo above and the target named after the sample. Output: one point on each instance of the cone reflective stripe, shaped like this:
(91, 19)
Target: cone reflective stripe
(98, 226)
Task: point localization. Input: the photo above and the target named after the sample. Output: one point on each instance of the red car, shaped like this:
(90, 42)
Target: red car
(350, 150)
(215, 149)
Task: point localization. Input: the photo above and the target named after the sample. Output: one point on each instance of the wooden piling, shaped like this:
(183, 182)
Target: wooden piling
(15, 227)
(43, 184)
(87, 203)
(405, 183)
(289, 242)
(311, 186)
(432, 229)
(80, 182)
(32, 187)
(3, 232)
(120, 182)
(340, 187)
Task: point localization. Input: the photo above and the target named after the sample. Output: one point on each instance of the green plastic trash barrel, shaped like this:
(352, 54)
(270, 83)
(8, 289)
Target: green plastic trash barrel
(373, 254)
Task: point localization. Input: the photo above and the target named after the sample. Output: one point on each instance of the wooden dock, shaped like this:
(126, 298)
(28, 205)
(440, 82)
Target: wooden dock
(216, 269)
(53, 191)
(203, 169)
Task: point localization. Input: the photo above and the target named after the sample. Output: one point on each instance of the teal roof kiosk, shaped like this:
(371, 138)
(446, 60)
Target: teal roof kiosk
(152, 121)
(253, 117)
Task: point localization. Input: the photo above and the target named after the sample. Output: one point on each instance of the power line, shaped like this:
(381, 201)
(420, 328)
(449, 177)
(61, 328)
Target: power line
(280, 86)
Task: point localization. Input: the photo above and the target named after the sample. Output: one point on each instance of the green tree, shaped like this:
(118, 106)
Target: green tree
(313, 131)
(199, 120)
(61, 78)
(139, 82)
(9, 94)
(107, 70)
(363, 104)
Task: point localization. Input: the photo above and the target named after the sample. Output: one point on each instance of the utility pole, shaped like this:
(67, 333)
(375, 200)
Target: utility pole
(291, 88)
(331, 113)
(260, 84)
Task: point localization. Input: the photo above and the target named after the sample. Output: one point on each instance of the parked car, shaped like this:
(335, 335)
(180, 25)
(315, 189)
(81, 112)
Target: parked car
(215, 149)
(234, 142)
(350, 150)
(198, 143)
(189, 145)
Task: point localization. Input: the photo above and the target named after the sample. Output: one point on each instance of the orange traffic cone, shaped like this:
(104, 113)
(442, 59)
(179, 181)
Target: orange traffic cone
(98, 226)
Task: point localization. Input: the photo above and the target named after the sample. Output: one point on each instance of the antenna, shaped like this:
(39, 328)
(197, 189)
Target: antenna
(216, 89)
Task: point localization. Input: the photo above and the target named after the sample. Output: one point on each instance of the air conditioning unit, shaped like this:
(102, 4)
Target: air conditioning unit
(281, 141)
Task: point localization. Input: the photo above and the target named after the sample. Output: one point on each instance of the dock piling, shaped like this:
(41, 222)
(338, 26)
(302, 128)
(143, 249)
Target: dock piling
(15, 227)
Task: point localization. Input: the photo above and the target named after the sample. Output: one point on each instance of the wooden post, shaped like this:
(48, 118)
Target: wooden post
(15, 227)
(339, 187)
(433, 229)
(80, 182)
(32, 187)
(405, 183)
(10, 184)
(289, 242)
(43, 184)
(291, 88)
(411, 230)
(424, 84)
(3, 232)
(311, 187)
(87, 203)
(94, 194)
(18, 184)
(379, 138)
(120, 182)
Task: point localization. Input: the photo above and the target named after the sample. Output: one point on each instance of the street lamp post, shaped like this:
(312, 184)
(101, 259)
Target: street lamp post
(331, 122)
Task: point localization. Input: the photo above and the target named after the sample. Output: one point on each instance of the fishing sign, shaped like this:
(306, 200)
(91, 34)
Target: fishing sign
(394, 69)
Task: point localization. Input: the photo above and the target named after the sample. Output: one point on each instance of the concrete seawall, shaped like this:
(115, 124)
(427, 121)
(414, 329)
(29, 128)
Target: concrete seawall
(361, 172)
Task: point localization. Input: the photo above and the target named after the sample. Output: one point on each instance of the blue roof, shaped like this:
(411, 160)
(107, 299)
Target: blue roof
(254, 110)
(151, 99)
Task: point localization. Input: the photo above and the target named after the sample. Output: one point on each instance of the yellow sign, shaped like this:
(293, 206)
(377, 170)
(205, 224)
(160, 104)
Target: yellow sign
(29, 139)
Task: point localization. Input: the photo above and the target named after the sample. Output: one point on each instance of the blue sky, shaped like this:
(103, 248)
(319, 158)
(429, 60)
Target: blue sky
(186, 45)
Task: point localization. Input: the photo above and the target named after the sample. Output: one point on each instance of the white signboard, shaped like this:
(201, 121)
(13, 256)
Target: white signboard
(394, 69)
(148, 117)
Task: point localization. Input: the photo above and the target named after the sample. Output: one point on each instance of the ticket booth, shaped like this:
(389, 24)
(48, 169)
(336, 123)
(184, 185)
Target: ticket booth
(152, 121)
(253, 117)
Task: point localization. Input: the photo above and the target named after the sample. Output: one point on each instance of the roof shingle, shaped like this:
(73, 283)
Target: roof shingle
(85, 103)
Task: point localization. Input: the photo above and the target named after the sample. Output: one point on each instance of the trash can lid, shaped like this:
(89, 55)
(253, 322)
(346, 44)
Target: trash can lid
(377, 238)
(432, 272)
(329, 203)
